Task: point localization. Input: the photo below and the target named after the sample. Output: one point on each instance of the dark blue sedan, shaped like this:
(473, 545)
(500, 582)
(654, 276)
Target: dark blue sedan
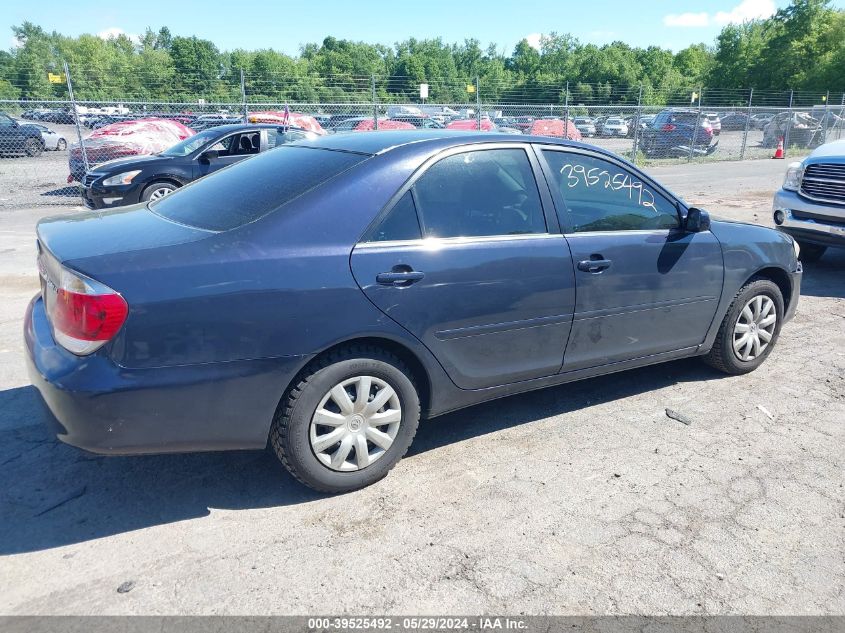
(326, 295)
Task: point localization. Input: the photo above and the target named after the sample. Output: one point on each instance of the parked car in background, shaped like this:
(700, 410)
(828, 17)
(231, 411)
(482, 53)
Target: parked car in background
(555, 127)
(612, 126)
(424, 121)
(644, 121)
(102, 121)
(18, 138)
(585, 126)
(486, 125)
(64, 117)
(33, 114)
(367, 124)
(505, 121)
(761, 119)
(322, 297)
(337, 119)
(810, 206)
(139, 179)
(715, 122)
(798, 129)
(126, 138)
(523, 122)
(678, 132)
(294, 119)
(396, 111)
(735, 121)
(53, 141)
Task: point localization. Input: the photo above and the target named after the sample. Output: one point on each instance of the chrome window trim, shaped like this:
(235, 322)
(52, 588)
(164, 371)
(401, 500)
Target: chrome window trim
(438, 242)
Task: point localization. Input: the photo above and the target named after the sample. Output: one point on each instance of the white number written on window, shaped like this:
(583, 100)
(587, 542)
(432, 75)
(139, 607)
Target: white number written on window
(579, 176)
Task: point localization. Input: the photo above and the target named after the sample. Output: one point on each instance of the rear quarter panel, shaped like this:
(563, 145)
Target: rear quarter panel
(280, 286)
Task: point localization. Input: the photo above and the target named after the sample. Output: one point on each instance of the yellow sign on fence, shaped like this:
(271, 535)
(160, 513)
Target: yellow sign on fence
(470, 88)
(55, 79)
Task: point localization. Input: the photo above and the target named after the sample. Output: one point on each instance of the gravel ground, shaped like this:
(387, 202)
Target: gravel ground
(581, 499)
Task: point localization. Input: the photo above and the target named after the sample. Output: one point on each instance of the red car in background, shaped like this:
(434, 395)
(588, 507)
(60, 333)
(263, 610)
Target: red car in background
(472, 124)
(554, 127)
(127, 138)
(293, 119)
(523, 122)
(367, 125)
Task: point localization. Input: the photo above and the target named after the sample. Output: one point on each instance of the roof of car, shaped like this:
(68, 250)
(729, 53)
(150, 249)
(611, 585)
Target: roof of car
(386, 140)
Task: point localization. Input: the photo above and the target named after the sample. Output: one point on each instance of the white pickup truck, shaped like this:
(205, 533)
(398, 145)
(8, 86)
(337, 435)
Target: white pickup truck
(810, 206)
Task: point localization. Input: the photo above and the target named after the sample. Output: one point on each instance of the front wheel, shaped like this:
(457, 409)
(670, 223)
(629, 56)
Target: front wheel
(32, 147)
(157, 190)
(749, 330)
(348, 420)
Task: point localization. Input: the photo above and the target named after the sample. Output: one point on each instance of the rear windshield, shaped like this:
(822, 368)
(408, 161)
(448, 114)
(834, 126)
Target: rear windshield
(253, 188)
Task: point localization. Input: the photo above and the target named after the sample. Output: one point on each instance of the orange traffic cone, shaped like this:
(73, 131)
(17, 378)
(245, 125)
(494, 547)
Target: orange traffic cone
(779, 150)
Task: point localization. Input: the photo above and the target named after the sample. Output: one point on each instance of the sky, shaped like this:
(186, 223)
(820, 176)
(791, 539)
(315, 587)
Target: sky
(285, 25)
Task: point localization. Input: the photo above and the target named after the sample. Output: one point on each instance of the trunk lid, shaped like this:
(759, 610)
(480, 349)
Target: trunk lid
(80, 237)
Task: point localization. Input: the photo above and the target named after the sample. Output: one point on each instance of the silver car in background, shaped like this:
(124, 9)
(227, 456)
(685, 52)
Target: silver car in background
(810, 206)
(614, 126)
(53, 141)
(585, 125)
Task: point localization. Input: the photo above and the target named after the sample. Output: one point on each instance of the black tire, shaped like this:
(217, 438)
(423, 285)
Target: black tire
(61, 145)
(32, 147)
(157, 185)
(289, 434)
(722, 355)
(811, 252)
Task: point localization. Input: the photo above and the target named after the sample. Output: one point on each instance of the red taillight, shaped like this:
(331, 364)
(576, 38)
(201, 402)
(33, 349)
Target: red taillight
(668, 128)
(88, 317)
(84, 313)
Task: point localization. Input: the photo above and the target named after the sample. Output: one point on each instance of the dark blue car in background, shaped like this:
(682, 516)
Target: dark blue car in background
(678, 133)
(326, 295)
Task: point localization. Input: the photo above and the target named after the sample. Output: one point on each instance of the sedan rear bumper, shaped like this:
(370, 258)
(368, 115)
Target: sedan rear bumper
(103, 408)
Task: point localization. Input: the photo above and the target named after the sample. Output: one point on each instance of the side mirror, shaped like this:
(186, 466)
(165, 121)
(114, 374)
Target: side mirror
(698, 220)
(209, 155)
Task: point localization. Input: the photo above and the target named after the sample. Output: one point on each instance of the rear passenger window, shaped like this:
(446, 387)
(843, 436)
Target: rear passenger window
(400, 223)
(479, 193)
(602, 196)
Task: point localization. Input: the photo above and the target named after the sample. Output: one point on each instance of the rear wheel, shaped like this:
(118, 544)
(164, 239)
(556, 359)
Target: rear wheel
(811, 252)
(157, 190)
(32, 147)
(749, 330)
(349, 419)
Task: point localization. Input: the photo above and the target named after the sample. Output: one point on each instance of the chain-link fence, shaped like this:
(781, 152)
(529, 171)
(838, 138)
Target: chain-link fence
(47, 146)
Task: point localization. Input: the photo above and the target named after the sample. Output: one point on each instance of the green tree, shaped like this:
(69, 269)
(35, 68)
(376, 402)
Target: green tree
(197, 67)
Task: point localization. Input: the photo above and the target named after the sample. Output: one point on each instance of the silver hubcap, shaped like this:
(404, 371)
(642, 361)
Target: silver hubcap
(754, 328)
(160, 192)
(355, 423)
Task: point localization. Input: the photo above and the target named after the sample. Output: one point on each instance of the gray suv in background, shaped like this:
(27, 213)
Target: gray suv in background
(810, 206)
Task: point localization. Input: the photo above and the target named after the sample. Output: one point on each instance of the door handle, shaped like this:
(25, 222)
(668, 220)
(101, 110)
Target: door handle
(594, 265)
(399, 277)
